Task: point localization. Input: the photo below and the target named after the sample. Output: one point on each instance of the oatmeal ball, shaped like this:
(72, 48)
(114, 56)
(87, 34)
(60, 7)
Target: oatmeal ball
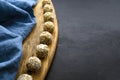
(45, 38)
(25, 77)
(47, 8)
(42, 50)
(49, 26)
(33, 64)
(48, 16)
(45, 2)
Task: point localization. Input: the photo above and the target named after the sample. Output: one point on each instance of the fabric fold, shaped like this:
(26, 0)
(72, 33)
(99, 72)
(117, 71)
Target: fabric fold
(16, 22)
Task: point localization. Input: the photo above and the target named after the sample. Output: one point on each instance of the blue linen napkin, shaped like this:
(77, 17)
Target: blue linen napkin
(16, 22)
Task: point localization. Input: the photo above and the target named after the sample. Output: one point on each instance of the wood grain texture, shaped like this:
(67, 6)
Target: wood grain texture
(29, 45)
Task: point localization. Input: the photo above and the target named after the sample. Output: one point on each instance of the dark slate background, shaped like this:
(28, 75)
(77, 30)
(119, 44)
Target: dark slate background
(89, 40)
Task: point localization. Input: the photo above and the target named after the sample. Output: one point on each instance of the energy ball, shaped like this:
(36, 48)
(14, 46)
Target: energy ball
(45, 2)
(25, 77)
(45, 38)
(33, 64)
(47, 8)
(49, 26)
(42, 51)
(48, 16)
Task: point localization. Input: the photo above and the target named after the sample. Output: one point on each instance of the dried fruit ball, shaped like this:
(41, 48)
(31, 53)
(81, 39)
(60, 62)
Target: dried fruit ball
(45, 38)
(42, 50)
(48, 16)
(25, 77)
(47, 8)
(49, 26)
(45, 2)
(33, 64)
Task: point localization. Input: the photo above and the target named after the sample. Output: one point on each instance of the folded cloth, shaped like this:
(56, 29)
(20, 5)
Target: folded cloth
(16, 22)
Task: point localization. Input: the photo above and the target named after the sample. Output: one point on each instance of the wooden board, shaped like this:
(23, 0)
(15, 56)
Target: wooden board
(29, 45)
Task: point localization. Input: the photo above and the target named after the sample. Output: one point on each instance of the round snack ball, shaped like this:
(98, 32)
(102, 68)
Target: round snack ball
(25, 77)
(45, 2)
(49, 26)
(42, 50)
(33, 64)
(48, 16)
(45, 38)
(47, 8)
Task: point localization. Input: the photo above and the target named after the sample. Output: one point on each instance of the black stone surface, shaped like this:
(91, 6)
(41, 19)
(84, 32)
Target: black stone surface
(89, 40)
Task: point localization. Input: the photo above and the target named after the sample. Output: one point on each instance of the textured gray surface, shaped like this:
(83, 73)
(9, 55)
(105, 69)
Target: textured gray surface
(89, 40)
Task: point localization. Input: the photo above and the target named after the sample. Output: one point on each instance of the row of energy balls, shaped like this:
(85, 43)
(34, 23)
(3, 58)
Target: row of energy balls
(34, 63)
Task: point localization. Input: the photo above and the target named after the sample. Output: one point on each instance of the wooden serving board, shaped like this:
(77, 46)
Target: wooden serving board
(29, 45)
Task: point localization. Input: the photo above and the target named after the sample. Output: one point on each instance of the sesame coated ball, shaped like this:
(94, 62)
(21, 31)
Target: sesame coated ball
(48, 16)
(45, 2)
(49, 26)
(25, 77)
(42, 50)
(47, 8)
(33, 64)
(45, 38)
